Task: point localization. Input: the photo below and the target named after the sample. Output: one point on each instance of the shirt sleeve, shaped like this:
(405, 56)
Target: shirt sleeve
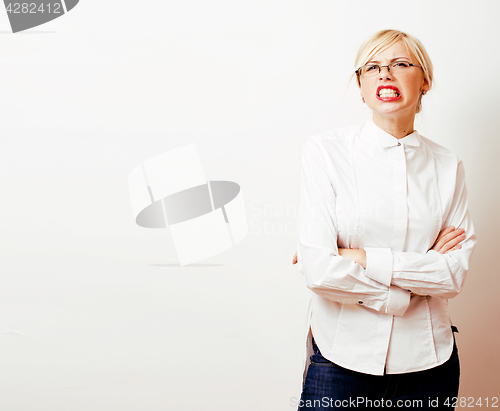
(327, 273)
(432, 273)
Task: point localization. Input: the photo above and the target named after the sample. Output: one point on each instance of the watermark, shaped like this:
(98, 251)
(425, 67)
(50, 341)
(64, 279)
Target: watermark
(365, 402)
(357, 402)
(290, 219)
(26, 15)
(271, 219)
(205, 218)
(472, 402)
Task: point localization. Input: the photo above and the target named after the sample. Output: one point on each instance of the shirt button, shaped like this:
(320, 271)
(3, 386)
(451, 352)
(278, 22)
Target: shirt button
(399, 143)
(360, 302)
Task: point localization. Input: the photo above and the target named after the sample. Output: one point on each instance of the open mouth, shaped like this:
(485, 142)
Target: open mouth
(388, 93)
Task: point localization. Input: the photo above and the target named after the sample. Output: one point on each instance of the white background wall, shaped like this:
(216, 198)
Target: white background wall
(95, 312)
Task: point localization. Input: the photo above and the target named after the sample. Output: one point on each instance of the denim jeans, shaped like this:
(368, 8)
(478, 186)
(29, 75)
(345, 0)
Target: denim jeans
(331, 387)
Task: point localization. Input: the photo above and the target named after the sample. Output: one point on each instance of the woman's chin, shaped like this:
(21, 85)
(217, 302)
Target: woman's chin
(392, 109)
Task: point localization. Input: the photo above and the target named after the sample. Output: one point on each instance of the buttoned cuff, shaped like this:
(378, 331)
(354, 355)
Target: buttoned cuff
(379, 264)
(398, 301)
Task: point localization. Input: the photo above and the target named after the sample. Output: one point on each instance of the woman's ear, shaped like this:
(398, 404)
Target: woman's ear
(426, 86)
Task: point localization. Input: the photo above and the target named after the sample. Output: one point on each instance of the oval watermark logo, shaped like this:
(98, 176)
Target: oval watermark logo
(25, 15)
(204, 217)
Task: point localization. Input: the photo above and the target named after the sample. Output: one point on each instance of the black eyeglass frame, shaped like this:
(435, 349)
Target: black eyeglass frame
(380, 67)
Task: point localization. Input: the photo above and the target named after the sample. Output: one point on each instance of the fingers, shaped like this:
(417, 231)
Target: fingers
(443, 232)
(458, 246)
(444, 236)
(452, 239)
(449, 240)
(294, 259)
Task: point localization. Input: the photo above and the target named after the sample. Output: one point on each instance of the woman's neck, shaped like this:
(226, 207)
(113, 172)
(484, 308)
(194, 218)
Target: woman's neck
(396, 126)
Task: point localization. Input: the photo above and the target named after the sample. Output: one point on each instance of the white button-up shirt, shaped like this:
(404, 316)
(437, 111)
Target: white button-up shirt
(361, 187)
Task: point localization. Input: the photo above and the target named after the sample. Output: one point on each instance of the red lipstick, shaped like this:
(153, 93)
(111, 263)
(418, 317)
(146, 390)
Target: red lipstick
(388, 98)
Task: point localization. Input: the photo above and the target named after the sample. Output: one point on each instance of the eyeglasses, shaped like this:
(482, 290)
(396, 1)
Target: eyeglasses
(374, 69)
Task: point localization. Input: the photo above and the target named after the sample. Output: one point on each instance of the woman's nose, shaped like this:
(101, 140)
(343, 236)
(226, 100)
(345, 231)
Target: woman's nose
(388, 75)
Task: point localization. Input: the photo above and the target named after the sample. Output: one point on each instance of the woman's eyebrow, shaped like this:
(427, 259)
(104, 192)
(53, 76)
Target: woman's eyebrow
(395, 58)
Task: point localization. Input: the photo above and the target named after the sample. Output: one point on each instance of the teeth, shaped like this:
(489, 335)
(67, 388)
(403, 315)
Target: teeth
(387, 92)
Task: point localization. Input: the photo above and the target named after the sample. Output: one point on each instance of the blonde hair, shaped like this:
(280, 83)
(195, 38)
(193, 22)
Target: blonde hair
(384, 39)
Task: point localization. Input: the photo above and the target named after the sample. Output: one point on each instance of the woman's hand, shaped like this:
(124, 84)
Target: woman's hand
(358, 255)
(448, 240)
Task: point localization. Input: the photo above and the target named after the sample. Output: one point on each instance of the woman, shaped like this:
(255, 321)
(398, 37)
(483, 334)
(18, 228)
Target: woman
(385, 239)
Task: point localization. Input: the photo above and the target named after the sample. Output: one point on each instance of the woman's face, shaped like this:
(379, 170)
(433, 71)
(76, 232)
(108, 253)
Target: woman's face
(409, 84)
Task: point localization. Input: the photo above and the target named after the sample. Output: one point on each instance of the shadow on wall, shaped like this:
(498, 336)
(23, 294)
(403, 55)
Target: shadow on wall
(477, 309)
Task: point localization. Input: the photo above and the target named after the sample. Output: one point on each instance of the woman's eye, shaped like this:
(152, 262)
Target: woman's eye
(401, 64)
(371, 68)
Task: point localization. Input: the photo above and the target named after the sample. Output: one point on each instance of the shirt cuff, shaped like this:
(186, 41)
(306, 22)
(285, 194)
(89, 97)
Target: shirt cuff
(398, 301)
(379, 263)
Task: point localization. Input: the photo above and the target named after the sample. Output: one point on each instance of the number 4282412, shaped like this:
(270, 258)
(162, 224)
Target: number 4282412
(33, 8)
(471, 402)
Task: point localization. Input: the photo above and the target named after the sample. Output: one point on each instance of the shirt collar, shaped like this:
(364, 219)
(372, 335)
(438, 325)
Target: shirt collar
(373, 133)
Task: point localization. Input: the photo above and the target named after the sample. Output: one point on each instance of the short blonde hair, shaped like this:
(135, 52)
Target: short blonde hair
(384, 39)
